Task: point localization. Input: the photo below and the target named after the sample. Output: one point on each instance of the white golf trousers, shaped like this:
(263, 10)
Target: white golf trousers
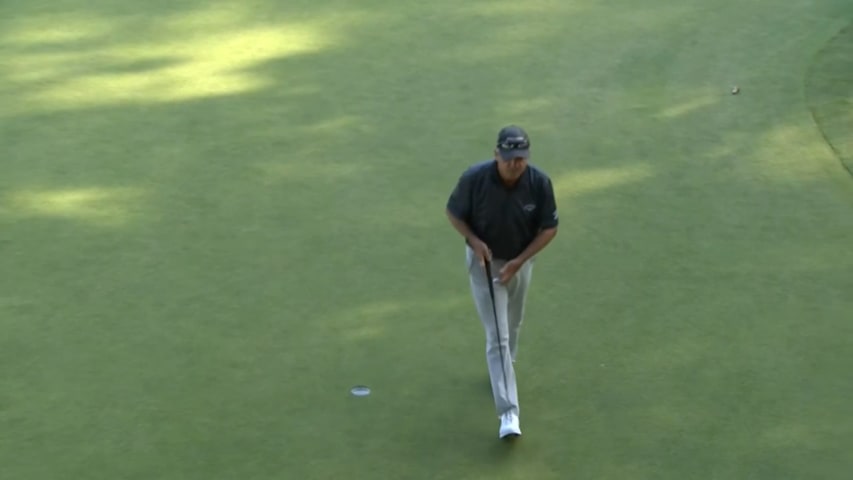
(509, 303)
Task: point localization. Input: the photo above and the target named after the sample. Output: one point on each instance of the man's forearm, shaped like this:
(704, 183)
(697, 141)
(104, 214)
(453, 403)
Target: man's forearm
(542, 239)
(461, 227)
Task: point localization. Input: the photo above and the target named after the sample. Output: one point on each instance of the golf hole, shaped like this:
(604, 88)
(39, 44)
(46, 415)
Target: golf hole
(360, 391)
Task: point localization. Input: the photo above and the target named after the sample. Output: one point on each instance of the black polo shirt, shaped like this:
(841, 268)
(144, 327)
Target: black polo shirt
(506, 218)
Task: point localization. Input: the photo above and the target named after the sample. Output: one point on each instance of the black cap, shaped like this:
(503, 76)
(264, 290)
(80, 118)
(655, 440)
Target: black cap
(513, 142)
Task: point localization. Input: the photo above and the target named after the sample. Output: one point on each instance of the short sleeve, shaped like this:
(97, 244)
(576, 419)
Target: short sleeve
(548, 213)
(459, 203)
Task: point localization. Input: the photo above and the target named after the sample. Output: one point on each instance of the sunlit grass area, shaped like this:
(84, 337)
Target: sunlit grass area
(56, 61)
(218, 217)
(198, 66)
(574, 183)
(100, 206)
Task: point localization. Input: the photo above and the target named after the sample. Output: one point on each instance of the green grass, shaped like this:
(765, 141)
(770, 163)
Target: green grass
(215, 218)
(830, 92)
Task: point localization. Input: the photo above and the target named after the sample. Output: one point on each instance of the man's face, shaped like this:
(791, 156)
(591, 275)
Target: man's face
(511, 169)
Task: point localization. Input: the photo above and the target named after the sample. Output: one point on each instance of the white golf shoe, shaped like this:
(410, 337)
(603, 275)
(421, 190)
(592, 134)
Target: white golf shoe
(509, 425)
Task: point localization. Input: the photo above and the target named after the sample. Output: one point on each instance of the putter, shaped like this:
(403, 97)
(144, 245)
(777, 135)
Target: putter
(490, 281)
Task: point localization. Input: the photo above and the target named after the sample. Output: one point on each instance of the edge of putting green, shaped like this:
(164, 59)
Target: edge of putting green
(829, 94)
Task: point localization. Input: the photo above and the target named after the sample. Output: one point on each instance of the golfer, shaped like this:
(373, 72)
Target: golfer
(506, 211)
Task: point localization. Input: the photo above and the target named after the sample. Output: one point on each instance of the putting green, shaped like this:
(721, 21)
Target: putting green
(830, 91)
(216, 218)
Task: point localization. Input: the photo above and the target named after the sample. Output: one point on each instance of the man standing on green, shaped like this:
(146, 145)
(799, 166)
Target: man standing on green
(506, 211)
